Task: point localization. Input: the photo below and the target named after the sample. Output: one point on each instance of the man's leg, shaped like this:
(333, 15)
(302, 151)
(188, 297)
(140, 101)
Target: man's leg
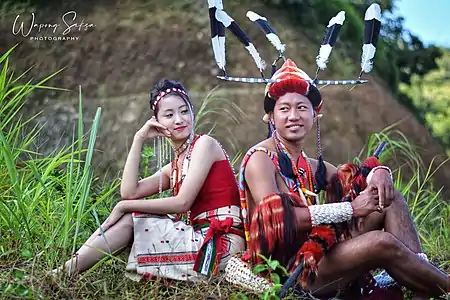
(351, 259)
(396, 219)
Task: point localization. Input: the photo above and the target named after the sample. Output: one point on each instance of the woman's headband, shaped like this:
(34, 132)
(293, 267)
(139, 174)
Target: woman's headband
(163, 93)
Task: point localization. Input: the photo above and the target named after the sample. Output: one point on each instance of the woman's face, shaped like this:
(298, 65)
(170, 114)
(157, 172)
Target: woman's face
(175, 114)
(293, 116)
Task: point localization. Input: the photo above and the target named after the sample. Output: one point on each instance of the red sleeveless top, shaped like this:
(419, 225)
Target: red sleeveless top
(219, 189)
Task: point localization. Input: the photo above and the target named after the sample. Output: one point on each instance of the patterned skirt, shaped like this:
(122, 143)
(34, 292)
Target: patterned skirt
(167, 248)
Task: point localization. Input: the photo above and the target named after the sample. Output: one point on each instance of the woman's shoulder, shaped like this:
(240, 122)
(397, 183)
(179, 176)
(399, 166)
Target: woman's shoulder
(210, 145)
(207, 141)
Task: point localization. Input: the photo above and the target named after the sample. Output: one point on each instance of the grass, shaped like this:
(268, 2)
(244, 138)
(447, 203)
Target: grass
(50, 204)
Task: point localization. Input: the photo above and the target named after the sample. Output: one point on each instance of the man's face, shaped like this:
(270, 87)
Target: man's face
(293, 116)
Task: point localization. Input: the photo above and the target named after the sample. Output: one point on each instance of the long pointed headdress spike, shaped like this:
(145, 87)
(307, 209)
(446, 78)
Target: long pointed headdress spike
(372, 26)
(270, 33)
(328, 41)
(226, 20)
(217, 34)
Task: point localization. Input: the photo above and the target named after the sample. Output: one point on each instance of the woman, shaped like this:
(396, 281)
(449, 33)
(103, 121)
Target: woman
(204, 190)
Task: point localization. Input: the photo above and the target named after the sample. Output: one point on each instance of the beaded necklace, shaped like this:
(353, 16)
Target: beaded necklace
(176, 178)
(302, 170)
(183, 146)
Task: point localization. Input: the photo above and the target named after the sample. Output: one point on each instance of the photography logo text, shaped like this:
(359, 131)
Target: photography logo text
(68, 29)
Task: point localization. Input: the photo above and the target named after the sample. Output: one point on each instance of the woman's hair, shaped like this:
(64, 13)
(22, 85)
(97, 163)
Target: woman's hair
(167, 87)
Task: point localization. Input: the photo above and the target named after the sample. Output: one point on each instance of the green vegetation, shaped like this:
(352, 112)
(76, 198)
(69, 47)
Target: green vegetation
(430, 95)
(49, 206)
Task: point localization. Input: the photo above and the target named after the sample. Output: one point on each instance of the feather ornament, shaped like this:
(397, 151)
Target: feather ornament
(372, 26)
(270, 33)
(329, 39)
(229, 23)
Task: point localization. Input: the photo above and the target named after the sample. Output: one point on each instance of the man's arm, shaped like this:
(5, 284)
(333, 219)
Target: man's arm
(261, 181)
(331, 171)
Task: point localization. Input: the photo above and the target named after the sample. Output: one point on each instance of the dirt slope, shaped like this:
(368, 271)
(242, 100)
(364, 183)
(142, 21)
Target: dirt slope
(135, 43)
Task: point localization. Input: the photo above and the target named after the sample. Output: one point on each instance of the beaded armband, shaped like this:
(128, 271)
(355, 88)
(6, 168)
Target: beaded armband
(330, 213)
(422, 256)
(369, 176)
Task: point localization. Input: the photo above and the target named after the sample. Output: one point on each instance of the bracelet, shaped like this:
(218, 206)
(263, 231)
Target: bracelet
(330, 213)
(422, 256)
(369, 176)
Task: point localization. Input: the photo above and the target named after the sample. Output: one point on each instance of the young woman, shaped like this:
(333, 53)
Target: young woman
(204, 190)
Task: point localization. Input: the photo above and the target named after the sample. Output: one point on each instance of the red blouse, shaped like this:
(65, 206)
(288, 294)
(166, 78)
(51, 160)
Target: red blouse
(219, 189)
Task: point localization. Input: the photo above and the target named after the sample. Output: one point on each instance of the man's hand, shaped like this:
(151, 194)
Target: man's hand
(366, 203)
(382, 180)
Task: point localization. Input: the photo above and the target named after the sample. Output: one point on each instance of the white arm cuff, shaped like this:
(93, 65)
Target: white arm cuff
(423, 256)
(370, 175)
(330, 213)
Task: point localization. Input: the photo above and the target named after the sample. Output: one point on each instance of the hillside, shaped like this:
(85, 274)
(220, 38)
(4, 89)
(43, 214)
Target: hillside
(134, 43)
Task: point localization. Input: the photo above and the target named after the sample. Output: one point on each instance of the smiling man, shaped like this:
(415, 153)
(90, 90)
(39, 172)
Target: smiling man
(364, 225)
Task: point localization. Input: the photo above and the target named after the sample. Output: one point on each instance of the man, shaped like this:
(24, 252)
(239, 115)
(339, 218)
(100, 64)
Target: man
(285, 222)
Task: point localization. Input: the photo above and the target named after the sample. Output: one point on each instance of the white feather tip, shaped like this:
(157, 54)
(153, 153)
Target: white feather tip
(254, 16)
(338, 19)
(276, 42)
(373, 12)
(218, 4)
(261, 64)
(367, 58)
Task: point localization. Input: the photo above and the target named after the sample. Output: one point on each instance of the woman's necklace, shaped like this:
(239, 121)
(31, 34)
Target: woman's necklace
(179, 176)
(178, 151)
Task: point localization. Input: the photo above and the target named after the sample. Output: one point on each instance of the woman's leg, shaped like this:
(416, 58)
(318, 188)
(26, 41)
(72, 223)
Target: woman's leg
(116, 238)
(349, 260)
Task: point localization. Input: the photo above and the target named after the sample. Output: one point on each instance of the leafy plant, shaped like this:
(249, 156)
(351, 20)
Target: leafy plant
(271, 269)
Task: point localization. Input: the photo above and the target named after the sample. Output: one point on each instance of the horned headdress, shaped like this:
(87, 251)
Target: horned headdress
(289, 77)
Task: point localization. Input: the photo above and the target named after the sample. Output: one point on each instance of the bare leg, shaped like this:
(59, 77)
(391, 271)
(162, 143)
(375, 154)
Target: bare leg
(376, 249)
(397, 220)
(116, 238)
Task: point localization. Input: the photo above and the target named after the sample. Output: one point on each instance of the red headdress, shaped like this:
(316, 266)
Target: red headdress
(290, 79)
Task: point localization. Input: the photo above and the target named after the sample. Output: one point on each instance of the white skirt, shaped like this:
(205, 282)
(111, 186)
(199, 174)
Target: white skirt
(166, 248)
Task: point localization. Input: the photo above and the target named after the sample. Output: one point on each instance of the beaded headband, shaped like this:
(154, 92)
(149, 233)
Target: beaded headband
(166, 92)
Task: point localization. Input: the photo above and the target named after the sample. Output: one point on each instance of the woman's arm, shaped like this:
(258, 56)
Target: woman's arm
(204, 154)
(130, 187)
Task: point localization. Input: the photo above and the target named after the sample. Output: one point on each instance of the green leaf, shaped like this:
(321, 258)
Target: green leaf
(26, 253)
(275, 278)
(274, 264)
(239, 296)
(19, 274)
(260, 268)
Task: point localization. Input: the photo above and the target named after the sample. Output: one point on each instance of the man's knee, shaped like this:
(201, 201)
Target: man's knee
(385, 246)
(399, 202)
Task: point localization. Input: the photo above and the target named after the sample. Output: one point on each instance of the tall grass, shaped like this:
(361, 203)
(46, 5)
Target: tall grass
(430, 211)
(46, 204)
(50, 204)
